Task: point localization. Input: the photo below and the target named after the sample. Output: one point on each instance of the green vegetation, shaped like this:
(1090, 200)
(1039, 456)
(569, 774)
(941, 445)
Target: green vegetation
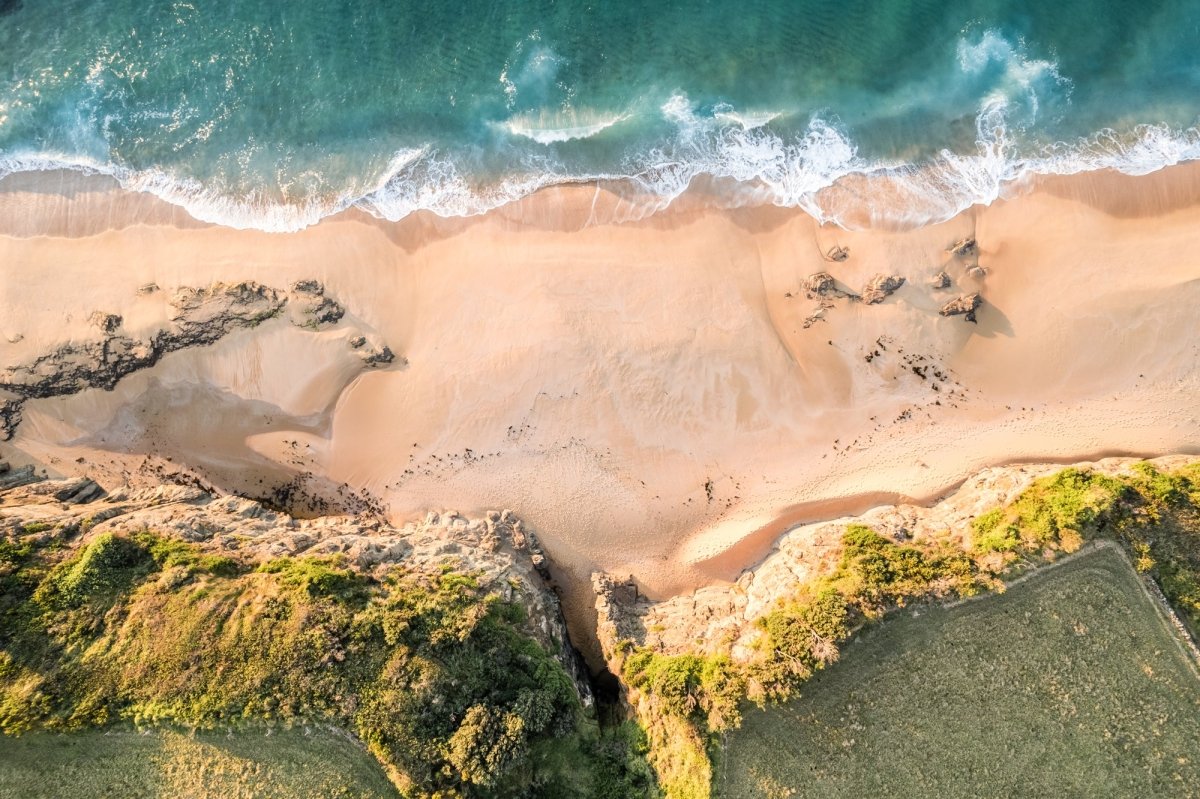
(439, 677)
(687, 702)
(447, 686)
(1069, 684)
(99, 764)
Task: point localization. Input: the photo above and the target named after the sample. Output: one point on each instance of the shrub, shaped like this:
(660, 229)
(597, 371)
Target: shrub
(104, 567)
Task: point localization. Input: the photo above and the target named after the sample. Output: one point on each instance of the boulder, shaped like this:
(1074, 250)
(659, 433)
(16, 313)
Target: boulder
(963, 306)
(963, 247)
(821, 284)
(880, 288)
(837, 253)
(940, 281)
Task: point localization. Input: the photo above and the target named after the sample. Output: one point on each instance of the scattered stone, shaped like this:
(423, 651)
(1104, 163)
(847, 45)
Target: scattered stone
(940, 281)
(106, 322)
(357, 342)
(963, 247)
(964, 306)
(816, 316)
(880, 288)
(837, 253)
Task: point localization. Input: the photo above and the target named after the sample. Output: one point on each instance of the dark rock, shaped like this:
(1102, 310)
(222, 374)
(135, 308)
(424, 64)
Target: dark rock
(380, 357)
(202, 316)
(10, 417)
(963, 247)
(313, 287)
(821, 284)
(357, 342)
(880, 288)
(940, 281)
(107, 322)
(79, 492)
(963, 306)
(22, 475)
(837, 253)
(311, 308)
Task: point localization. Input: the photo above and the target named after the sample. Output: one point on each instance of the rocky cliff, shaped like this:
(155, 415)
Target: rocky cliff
(720, 619)
(497, 547)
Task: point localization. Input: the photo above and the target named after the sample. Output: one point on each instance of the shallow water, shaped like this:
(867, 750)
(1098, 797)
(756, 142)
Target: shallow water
(275, 114)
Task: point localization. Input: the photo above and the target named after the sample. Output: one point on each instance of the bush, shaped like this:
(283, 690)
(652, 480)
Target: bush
(106, 566)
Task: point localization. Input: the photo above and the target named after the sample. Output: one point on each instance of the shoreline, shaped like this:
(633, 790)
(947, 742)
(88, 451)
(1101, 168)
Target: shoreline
(645, 394)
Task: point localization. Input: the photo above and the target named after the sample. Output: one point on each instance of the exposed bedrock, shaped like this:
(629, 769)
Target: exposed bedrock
(197, 316)
(497, 547)
(722, 618)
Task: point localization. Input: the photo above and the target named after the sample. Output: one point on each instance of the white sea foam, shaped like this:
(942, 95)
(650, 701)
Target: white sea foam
(746, 120)
(734, 145)
(560, 126)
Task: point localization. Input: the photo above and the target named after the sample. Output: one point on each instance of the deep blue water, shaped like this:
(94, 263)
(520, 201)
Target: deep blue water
(274, 114)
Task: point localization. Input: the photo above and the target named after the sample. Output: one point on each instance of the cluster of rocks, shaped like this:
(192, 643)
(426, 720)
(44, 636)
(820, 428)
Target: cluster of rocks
(199, 316)
(824, 287)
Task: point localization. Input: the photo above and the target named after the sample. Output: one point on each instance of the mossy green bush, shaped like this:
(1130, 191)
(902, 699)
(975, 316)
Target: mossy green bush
(436, 674)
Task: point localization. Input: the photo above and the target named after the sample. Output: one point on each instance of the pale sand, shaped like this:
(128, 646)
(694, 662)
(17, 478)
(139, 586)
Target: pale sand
(600, 375)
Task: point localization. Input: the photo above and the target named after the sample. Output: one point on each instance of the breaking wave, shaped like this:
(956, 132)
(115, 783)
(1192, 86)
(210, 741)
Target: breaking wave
(755, 156)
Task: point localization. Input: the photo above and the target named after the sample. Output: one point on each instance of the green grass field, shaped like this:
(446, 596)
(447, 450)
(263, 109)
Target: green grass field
(98, 764)
(1068, 685)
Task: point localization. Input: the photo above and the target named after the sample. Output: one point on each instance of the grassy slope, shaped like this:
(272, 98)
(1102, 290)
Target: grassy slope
(1071, 684)
(435, 673)
(686, 702)
(93, 764)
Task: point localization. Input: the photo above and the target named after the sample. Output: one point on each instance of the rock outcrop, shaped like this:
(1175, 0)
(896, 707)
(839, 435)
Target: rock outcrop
(311, 307)
(497, 547)
(963, 247)
(880, 287)
(199, 316)
(940, 281)
(721, 619)
(964, 306)
(837, 253)
(821, 284)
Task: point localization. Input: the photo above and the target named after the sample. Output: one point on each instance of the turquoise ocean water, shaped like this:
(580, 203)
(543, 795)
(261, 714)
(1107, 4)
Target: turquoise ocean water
(275, 114)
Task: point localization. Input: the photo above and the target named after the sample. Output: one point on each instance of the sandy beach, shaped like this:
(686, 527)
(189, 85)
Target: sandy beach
(645, 393)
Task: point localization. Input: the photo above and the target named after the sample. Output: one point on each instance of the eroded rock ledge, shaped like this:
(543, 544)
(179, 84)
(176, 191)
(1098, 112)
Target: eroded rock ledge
(721, 619)
(197, 316)
(498, 547)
